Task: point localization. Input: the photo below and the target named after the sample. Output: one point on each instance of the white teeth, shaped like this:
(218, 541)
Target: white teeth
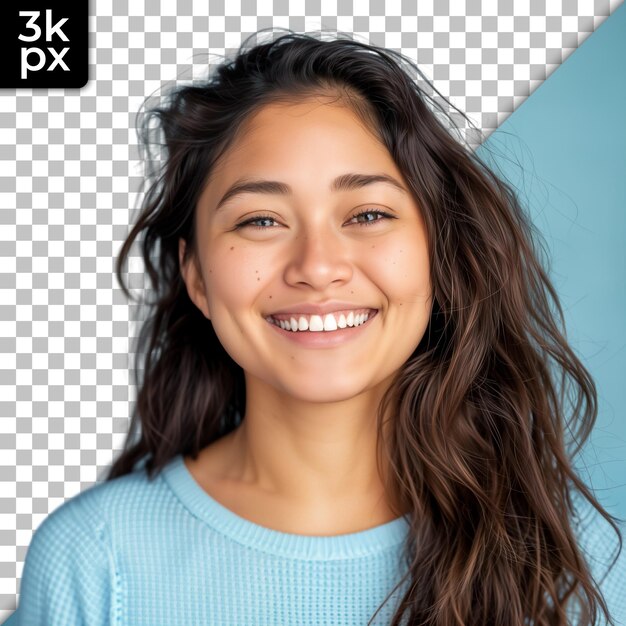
(329, 322)
(317, 323)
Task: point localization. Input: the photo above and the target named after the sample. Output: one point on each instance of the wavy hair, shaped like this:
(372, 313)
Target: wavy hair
(477, 446)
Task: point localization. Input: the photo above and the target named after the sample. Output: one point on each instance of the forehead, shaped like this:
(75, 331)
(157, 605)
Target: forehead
(295, 134)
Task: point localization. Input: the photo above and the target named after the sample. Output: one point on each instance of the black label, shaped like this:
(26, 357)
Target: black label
(44, 43)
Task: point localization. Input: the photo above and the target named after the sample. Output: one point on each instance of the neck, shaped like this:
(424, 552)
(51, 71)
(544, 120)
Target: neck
(314, 456)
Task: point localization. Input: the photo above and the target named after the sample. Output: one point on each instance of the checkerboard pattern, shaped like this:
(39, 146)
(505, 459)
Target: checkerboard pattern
(70, 186)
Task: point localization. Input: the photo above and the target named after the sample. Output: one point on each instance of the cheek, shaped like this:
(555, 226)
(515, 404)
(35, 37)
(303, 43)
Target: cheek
(234, 276)
(401, 267)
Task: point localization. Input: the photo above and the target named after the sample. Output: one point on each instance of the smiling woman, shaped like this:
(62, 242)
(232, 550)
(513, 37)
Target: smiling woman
(349, 406)
(313, 257)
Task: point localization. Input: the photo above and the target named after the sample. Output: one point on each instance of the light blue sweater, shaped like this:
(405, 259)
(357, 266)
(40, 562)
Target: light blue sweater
(130, 552)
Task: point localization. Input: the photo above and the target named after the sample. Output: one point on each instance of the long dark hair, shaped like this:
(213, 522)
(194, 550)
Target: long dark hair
(477, 440)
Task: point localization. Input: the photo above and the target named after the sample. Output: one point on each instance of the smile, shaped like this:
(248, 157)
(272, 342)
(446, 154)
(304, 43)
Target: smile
(334, 331)
(318, 323)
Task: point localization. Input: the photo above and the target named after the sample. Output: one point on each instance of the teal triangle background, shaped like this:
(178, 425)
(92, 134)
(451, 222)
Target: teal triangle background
(564, 149)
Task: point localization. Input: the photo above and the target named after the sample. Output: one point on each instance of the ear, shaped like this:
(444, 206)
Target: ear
(192, 278)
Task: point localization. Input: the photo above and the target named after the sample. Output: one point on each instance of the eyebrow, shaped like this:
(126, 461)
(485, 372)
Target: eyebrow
(345, 182)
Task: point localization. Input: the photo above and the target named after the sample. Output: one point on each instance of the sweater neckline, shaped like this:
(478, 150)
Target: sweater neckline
(308, 547)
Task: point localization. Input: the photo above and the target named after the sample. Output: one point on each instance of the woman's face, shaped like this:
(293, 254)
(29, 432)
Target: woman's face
(299, 246)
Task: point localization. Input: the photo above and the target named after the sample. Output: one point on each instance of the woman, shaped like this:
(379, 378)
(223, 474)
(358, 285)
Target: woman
(349, 410)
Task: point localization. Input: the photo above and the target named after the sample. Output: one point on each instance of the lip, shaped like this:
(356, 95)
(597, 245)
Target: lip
(309, 308)
(324, 339)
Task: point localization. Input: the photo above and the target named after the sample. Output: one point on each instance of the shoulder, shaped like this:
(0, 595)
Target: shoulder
(89, 513)
(70, 571)
(68, 568)
(100, 514)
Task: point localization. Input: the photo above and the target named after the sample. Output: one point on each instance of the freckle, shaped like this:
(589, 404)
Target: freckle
(258, 278)
(373, 246)
(232, 247)
(270, 297)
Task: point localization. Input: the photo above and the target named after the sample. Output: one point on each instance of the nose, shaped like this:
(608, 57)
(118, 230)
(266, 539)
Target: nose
(318, 258)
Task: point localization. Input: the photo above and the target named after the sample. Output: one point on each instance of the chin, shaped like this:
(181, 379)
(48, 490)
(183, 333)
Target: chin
(324, 392)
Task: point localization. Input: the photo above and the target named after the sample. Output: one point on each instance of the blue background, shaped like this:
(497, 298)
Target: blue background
(564, 148)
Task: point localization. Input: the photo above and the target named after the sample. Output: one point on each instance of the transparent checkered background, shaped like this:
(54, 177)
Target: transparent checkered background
(69, 188)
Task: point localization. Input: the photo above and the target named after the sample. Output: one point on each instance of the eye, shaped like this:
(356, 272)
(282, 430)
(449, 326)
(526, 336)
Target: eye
(380, 216)
(251, 222)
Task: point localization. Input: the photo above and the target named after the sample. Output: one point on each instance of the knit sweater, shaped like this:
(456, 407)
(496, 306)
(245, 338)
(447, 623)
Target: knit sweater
(131, 551)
